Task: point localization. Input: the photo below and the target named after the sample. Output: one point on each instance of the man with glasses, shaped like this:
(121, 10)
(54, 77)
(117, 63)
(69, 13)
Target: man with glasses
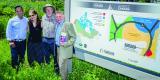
(64, 39)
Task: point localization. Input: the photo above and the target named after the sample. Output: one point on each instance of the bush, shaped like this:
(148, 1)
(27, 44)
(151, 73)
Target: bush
(2, 5)
(3, 25)
(8, 11)
(1, 30)
(58, 4)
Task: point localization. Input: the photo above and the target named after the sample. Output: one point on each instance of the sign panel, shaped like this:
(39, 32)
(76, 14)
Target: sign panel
(124, 33)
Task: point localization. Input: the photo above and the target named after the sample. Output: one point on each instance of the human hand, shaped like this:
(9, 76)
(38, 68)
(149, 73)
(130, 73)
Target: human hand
(12, 44)
(62, 44)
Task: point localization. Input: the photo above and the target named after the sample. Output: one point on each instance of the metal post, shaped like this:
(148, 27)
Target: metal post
(67, 10)
(67, 18)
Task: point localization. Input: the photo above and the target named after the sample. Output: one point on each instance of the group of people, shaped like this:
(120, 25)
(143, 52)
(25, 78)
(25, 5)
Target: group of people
(49, 36)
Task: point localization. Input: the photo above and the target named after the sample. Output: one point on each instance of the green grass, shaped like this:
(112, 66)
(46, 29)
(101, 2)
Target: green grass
(81, 70)
(43, 72)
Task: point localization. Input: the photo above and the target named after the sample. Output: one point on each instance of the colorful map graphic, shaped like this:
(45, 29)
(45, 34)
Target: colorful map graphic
(85, 27)
(136, 29)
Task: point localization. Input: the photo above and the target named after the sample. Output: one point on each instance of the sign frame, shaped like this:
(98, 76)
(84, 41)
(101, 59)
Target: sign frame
(109, 63)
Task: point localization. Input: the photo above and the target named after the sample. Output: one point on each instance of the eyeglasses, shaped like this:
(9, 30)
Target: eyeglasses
(31, 15)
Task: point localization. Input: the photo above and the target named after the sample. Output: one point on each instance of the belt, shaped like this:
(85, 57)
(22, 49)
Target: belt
(18, 40)
(48, 38)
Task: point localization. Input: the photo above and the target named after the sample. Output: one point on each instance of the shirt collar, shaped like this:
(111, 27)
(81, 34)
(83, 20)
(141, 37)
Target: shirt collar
(19, 18)
(52, 17)
(60, 22)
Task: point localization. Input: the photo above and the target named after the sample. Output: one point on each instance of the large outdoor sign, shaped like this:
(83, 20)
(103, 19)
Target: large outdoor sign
(118, 33)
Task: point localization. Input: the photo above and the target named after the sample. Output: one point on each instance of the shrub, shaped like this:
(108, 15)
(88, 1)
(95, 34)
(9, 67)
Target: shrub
(2, 5)
(3, 25)
(1, 30)
(8, 11)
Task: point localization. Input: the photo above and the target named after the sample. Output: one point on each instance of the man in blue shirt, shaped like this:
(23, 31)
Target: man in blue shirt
(16, 35)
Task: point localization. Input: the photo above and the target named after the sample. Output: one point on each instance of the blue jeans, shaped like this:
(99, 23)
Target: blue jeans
(49, 50)
(17, 53)
(49, 46)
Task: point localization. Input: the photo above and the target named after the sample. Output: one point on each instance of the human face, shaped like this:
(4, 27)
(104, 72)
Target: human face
(59, 17)
(49, 11)
(19, 12)
(33, 17)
